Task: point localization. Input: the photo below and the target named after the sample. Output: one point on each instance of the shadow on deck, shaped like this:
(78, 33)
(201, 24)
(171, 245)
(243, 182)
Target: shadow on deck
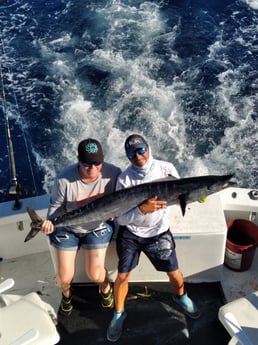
(152, 317)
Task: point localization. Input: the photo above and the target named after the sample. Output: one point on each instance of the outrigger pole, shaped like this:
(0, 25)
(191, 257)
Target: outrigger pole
(14, 188)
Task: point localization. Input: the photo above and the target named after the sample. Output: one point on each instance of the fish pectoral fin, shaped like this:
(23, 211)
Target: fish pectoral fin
(94, 225)
(182, 201)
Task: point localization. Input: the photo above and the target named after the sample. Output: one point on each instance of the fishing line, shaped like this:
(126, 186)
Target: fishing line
(14, 189)
(26, 144)
(10, 145)
(8, 132)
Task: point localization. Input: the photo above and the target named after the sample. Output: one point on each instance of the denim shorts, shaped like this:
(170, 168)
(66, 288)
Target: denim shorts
(159, 249)
(64, 239)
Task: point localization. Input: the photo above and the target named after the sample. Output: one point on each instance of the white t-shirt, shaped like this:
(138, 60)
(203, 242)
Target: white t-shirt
(151, 224)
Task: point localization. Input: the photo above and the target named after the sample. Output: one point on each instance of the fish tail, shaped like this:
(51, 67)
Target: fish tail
(35, 225)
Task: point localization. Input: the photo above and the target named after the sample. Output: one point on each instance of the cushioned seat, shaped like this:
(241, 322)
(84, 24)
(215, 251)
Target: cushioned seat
(240, 318)
(27, 320)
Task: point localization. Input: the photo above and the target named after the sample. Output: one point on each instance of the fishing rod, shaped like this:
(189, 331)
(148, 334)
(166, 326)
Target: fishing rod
(14, 188)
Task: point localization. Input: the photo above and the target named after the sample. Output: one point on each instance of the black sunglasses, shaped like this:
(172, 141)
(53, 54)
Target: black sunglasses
(88, 165)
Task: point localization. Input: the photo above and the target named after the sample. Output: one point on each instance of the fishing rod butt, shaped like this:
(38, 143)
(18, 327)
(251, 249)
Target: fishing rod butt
(14, 191)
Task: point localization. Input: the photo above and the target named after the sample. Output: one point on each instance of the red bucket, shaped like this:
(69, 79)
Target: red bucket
(242, 240)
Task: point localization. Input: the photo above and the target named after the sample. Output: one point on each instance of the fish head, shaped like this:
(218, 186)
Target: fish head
(206, 185)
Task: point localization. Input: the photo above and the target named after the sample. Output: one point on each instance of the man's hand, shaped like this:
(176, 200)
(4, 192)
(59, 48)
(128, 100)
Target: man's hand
(151, 205)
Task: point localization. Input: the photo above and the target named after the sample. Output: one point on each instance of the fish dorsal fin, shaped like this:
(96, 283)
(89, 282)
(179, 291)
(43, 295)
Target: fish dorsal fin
(167, 178)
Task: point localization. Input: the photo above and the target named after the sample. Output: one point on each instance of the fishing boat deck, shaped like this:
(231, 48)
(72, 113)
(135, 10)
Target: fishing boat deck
(40, 277)
(152, 317)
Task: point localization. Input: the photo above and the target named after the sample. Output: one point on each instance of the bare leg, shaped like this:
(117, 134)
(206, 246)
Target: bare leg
(176, 281)
(115, 327)
(65, 273)
(94, 261)
(121, 290)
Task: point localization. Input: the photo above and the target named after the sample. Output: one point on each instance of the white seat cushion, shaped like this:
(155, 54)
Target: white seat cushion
(27, 315)
(240, 318)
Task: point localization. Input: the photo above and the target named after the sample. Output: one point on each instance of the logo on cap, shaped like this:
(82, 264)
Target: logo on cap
(91, 148)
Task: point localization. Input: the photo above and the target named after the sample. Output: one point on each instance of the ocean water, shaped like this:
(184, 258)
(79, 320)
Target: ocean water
(182, 73)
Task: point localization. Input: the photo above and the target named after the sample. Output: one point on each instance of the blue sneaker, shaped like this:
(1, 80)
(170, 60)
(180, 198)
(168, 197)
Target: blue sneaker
(187, 305)
(115, 327)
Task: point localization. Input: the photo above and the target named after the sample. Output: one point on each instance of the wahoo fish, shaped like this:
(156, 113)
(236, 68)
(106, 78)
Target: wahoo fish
(113, 205)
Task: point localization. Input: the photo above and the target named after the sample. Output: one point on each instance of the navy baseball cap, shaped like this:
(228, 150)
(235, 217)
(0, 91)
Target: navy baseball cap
(134, 142)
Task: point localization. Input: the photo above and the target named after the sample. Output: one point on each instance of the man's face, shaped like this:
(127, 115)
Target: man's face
(139, 158)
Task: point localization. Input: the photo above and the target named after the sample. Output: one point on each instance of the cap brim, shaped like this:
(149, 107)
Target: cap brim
(135, 147)
(91, 159)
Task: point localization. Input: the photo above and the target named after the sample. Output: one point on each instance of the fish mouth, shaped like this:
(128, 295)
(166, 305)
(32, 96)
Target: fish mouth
(231, 184)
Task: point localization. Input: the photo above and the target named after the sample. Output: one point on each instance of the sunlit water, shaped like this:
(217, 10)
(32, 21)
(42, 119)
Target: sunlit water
(182, 73)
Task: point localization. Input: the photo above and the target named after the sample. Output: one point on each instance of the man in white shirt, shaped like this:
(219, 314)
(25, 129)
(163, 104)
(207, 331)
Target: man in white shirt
(145, 228)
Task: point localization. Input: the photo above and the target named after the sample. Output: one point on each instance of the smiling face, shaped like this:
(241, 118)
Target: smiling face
(89, 173)
(140, 159)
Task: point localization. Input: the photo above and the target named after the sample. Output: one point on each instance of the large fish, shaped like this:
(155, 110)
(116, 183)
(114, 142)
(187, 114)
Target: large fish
(117, 203)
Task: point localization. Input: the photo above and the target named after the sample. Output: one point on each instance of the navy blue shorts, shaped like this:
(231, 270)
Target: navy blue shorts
(64, 239)
(159, 249)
